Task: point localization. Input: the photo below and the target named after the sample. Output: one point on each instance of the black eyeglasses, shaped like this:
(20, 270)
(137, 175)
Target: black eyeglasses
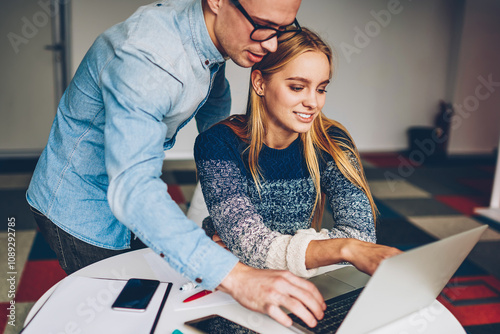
(262, 33)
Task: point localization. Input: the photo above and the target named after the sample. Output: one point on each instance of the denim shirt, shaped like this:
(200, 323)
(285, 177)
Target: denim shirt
(99, 176)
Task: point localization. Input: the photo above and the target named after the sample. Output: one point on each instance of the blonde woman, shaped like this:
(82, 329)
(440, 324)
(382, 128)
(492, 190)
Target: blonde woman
(265, 175)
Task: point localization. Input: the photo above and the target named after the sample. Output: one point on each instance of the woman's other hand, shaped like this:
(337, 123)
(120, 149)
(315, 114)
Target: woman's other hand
(367, 256)
(219, 241)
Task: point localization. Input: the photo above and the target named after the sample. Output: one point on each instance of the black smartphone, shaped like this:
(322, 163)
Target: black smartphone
(215, 324)
(136, 294)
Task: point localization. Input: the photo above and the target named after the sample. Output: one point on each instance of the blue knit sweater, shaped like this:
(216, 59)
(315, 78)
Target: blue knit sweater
(272, 230)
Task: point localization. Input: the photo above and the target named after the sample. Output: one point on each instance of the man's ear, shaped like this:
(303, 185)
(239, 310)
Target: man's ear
(258, 82)
(213, 5)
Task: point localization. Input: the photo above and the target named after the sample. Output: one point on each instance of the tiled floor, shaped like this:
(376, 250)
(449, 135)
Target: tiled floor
(418, 204)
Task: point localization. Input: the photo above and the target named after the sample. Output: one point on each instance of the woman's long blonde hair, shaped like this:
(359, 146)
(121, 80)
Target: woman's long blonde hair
(250, 127)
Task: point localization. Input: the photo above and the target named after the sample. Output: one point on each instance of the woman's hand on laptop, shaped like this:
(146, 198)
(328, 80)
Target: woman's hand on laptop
(266, 291)
(367, 256)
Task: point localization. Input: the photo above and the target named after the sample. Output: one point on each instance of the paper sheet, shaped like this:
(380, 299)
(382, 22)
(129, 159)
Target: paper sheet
(83, 305)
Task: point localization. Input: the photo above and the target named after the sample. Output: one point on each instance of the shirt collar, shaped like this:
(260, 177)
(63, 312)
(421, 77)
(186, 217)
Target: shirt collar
(208, 53)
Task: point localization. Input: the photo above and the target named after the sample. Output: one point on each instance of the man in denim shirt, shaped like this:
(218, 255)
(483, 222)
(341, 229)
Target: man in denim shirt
(97, 184)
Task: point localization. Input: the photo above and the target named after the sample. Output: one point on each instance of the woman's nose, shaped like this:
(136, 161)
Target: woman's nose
(311, 100)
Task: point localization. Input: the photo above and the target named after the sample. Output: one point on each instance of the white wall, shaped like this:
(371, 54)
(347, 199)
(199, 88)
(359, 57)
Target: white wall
(386, 82)
(476, 125)
(399, 74)
(388, 79)
(27, 97)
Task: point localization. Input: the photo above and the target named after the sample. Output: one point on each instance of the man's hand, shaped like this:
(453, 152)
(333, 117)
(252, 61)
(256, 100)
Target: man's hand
(265, 291)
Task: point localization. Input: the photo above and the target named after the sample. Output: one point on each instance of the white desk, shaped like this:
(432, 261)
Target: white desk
(145, 264)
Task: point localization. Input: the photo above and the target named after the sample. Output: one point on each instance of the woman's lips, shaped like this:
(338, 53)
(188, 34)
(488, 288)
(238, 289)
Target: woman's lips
(304, 117)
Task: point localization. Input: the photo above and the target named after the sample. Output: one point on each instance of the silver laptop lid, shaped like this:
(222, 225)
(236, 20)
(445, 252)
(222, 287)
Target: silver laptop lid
(408, 282)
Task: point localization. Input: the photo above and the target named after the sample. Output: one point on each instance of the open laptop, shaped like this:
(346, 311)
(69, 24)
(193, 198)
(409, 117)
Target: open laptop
(401, 285)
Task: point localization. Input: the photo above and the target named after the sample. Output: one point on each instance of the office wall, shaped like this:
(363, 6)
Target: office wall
(27, 96)
(476, 124)
(393, 64)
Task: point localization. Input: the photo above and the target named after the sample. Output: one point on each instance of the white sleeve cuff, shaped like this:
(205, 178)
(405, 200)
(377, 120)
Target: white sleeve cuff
(296, 251)
(276, 257)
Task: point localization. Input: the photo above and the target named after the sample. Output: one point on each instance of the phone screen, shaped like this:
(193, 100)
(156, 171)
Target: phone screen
(215, 324)
(136, 294)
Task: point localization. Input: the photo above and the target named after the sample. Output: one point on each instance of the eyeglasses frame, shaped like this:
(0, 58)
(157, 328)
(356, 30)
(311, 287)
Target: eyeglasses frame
(257, 26)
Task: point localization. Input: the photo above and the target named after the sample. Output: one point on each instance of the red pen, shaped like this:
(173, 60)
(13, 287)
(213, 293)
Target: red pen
(197, 295)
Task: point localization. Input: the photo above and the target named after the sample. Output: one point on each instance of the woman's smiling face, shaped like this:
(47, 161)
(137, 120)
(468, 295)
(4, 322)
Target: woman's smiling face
(293, 97)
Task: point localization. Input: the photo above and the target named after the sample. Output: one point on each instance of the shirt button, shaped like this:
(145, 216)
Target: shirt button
(207, 62)
(198, 280)
(162, 255)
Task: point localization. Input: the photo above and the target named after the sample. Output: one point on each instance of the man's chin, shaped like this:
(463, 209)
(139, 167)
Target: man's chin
(243, 62)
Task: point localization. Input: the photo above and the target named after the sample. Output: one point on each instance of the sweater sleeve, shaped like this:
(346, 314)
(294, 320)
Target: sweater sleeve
(289, 252)
(352, 213)
(224, 187)
(236, 219)
(353, 218)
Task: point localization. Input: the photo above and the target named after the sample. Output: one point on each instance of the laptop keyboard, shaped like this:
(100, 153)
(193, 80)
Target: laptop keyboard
(336, 311)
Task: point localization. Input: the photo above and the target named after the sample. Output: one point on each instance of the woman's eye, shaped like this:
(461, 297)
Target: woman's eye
(296, 88)
(322, 90)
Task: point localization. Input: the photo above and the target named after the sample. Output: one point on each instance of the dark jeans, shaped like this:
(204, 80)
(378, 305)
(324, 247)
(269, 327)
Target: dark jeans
(72, 253)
